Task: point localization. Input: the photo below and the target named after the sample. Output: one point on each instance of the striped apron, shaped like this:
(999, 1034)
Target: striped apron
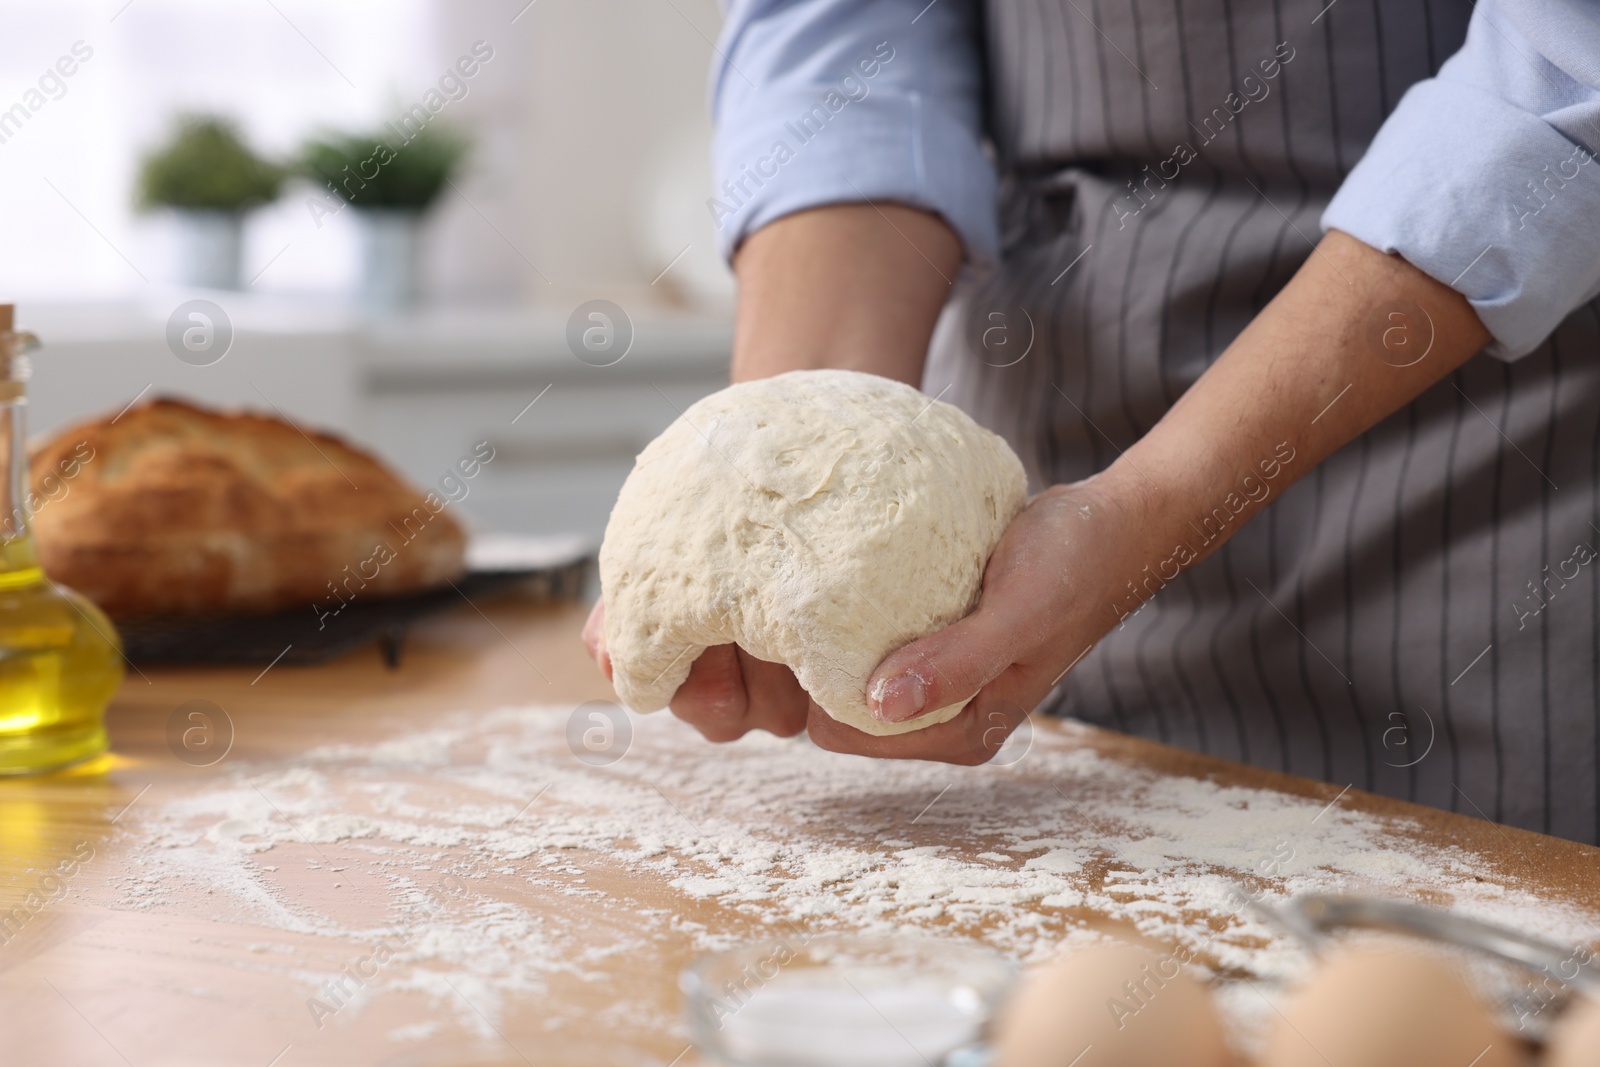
(1418, 615)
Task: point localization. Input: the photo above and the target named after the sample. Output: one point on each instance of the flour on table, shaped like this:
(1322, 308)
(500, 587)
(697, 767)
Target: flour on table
(765, 833)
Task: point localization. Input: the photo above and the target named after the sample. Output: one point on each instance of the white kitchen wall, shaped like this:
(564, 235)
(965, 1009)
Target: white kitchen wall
(590, 174)
(67, 174)
(589, 178)
(615, 167)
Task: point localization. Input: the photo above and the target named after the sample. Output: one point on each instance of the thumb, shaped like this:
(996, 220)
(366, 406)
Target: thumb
(944, 668)
(594, 637)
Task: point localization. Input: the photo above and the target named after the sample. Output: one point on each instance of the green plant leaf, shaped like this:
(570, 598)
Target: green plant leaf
(206, 166)
(381, 169)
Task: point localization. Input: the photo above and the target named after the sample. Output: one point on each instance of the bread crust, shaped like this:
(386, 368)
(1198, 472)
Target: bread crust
(171, 508)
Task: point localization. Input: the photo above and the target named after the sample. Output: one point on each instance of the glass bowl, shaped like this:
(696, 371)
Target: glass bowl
(839, 1000)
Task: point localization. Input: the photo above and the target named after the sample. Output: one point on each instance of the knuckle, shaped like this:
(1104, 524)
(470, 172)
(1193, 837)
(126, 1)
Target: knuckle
(778, 720)
(714, 697)
(724, 706)
(708, 706)
(713, 727)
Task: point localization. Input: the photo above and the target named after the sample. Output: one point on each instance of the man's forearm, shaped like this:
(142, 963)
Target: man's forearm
(851, 286)
(1353, 337)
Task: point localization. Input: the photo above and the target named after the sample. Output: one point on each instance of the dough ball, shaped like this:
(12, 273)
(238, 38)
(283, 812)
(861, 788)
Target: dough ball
(1575, 1041)
(1388, 1009)
(1128, 1006)
(819, 519)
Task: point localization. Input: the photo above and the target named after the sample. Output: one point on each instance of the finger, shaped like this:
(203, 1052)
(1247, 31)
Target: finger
(729, 693)
(594, 629)
(971, 738)
(594, 637)
(775, 702)
(943, 668)
(712, 699)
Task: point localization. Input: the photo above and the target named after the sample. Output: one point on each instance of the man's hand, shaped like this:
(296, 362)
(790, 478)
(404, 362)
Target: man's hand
(1323, 362)
(1353, 337)
(1046, 589)
(729, 693)
(1049, 592)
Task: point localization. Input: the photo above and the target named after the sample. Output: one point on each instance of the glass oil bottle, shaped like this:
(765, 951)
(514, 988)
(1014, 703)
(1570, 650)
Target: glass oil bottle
(60, 658)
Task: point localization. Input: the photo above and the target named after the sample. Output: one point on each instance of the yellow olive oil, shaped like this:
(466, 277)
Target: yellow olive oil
(60, 658)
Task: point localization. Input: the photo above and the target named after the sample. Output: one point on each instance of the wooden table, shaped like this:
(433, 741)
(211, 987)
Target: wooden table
(197, 924)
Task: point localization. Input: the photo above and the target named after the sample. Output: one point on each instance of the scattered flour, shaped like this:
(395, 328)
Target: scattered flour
(436, 823)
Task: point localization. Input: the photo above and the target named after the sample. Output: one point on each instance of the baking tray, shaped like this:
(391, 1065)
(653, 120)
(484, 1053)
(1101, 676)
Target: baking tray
(300, 637)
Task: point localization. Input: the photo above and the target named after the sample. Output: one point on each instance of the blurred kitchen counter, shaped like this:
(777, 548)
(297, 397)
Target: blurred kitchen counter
(421, 389)
(136, 963)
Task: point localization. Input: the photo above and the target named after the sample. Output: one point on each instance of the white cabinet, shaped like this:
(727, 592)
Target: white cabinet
(434, 390)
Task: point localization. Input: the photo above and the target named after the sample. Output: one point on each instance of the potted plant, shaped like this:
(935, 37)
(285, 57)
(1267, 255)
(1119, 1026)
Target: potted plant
(209, 177)
(390, 181)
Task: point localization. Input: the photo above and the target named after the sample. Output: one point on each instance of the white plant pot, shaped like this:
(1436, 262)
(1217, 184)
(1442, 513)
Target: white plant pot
(210, 246)
(389, 257)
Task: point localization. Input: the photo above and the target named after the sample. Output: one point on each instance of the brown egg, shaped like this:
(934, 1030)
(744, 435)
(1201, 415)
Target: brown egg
(1388, 1009)
(1111, 1006)
(1575, 1041)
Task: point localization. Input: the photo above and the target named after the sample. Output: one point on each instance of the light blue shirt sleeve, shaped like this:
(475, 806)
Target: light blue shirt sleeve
(835, 101)
(1485, 176)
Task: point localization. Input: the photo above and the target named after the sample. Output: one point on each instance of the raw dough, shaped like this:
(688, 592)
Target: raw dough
(820, 519)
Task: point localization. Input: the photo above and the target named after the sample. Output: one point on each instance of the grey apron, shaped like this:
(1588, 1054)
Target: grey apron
(1418, 615)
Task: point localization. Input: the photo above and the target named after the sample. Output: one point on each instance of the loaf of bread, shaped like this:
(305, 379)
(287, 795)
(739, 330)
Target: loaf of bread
(170, 508)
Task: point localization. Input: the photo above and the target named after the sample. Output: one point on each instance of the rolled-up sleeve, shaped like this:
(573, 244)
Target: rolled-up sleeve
(1485, 176)
(836, 101)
